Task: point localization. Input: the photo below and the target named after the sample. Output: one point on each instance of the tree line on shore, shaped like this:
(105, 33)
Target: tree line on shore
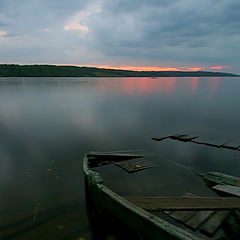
(14, 70)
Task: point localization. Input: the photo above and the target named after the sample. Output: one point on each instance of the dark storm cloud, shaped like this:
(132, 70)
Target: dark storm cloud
(151, 28)
(175, 23)
(125, 6)
(2, 24)
(109, 30)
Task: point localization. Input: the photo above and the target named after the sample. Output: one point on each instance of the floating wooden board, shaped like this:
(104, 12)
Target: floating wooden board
(211, 142)
(216, 143)
(228, 189)
(235, 144)
(180, 137)
(183, 138)
(159, 139)
(230, 147)
(154, 204)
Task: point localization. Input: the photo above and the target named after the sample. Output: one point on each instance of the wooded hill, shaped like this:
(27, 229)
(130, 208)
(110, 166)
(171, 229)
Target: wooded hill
(12, 70)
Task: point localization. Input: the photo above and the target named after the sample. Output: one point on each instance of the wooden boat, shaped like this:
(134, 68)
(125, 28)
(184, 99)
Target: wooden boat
(223, 184)
(187, 218)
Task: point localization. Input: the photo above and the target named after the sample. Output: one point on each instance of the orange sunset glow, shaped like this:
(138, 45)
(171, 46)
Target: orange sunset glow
(219, 67)
(194, 69)
(136, 68)
(154, 68)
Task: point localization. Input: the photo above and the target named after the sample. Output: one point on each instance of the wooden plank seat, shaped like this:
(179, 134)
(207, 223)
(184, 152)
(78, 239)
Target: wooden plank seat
(154, 204)
(204, 214)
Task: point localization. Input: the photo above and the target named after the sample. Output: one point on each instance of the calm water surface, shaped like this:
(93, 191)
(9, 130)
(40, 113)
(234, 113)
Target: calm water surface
(47, 124)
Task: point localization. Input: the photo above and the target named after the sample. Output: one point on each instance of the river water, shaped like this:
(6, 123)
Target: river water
(48, 124)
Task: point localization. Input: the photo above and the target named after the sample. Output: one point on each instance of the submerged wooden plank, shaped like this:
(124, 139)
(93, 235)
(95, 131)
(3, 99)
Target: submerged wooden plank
(199, 218)
(136, 168)
(182, 216)
(178, 137)
(228, 189)
(233, 145)
(134, 162)
(114, 155)
(103, 158)
(214, 222)
(154, 204)
(136, 165)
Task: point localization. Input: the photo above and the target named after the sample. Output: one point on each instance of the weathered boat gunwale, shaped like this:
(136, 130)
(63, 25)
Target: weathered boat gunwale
(214, 178)
(141, 221)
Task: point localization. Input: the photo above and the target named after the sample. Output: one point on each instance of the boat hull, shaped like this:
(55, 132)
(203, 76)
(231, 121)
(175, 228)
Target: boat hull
(143, 223)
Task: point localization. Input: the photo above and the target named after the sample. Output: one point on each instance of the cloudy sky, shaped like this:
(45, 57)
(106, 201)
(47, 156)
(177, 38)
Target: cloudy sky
(176, 34)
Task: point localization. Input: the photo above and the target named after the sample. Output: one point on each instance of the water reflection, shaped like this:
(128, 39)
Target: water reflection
(134, 85)
(147, 85)
(194, 83)
(167, 85)
(47, 124)
(214, 83)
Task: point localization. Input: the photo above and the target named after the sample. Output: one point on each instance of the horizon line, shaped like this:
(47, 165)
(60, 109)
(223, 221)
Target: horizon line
(131, 68)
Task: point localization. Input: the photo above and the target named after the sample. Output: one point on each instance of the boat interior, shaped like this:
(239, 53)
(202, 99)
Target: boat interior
(209, 217)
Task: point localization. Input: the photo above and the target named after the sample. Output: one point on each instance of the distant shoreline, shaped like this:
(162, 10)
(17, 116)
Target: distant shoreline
(14, 70)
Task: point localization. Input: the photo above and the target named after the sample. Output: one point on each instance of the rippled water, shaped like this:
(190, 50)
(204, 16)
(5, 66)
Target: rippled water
(47, 124)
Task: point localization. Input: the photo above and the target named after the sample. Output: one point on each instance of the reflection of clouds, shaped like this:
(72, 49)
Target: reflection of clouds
(214, 83)
(9, 113)
(86, 120)
(61, 119)
(6, 165)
